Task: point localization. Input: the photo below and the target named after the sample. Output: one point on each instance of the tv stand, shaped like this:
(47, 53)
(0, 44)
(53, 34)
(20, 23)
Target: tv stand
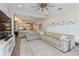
(6, 47)
(7, 38)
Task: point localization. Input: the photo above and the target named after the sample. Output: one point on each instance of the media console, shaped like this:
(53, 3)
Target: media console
(6, 47)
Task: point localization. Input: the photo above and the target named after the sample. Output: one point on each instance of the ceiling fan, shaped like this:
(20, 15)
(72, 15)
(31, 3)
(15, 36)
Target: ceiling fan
(42, 6)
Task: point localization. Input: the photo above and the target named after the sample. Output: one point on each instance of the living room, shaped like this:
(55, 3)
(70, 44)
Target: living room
(41, 29)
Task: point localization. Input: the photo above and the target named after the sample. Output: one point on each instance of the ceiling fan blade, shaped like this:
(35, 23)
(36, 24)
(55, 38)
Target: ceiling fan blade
(50, 5)
(34, 6)
(38, 3)
(37, 9)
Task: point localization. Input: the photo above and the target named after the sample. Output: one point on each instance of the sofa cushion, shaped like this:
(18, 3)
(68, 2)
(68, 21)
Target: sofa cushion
(54, 35)
(63, 37)
(42, 33)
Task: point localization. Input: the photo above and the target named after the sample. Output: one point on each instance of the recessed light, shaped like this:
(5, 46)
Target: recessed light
(19, 5)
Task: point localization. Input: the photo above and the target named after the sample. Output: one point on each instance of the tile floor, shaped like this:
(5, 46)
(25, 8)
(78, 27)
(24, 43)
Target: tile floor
(16, 51)
(40, 48)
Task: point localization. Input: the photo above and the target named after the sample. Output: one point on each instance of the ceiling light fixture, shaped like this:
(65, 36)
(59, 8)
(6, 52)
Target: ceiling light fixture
(43, 6)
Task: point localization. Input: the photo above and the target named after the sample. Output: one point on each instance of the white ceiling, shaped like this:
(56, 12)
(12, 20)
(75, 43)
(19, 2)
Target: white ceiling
(26, 9)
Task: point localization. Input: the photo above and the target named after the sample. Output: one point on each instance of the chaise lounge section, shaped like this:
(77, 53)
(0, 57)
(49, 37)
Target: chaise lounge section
(63, 42)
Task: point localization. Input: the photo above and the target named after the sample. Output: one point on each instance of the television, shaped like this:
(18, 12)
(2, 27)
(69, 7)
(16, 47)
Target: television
(5, 25)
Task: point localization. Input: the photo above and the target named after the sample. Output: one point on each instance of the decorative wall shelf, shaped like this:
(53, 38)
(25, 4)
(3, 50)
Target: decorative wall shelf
(63, 23)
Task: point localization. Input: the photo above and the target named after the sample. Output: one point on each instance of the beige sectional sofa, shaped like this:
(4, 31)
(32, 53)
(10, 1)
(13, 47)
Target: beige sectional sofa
(31, 35)
(63, 42)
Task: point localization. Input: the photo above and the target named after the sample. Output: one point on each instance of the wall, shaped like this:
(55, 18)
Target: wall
(16, 26)
(4, 8)
(9, 13)
(67, 28)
